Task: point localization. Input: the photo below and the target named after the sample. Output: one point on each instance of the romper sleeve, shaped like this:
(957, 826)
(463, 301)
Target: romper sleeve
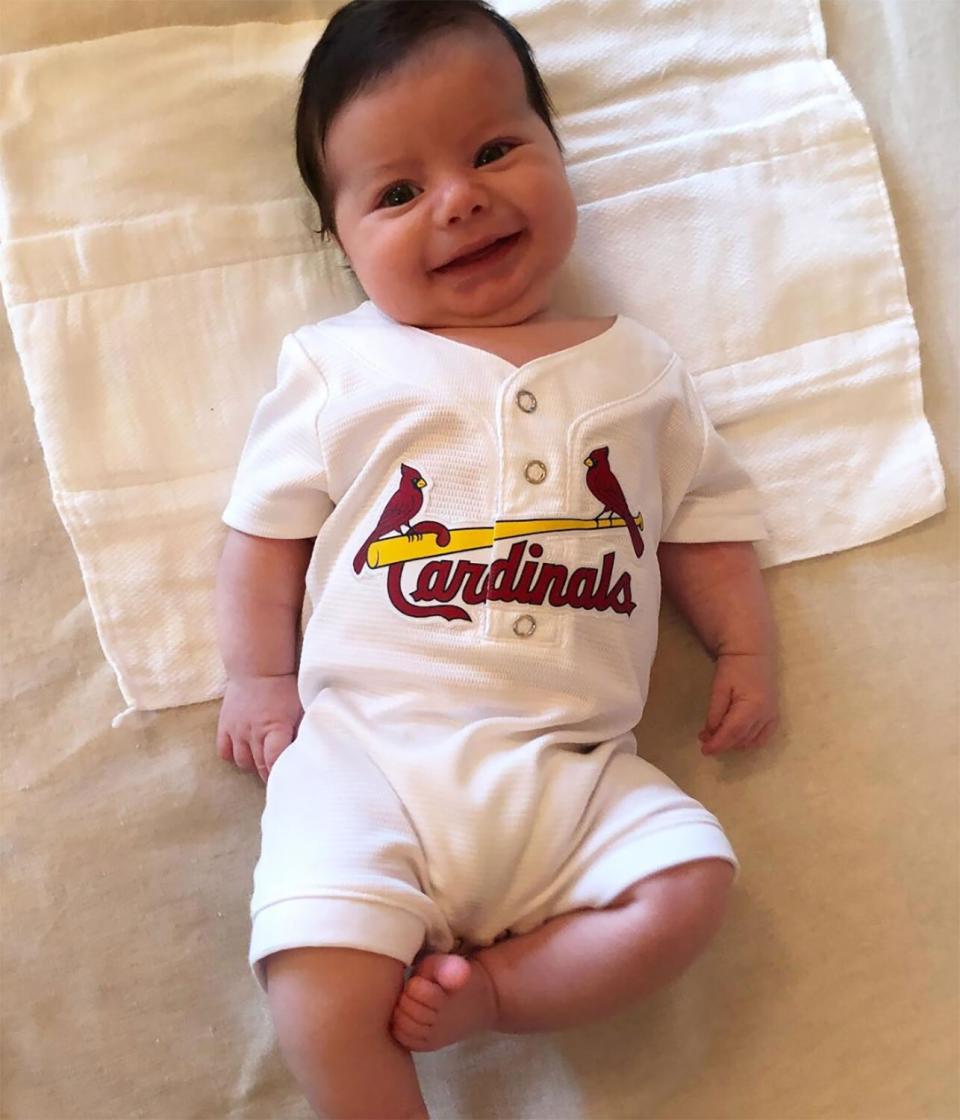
(280, 488)
(707, 495)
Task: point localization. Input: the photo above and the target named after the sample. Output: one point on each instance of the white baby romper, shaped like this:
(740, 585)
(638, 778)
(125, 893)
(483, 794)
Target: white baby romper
(483, 627)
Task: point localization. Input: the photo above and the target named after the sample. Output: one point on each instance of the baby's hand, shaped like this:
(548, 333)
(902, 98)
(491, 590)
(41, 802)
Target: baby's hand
(743, 711)
(258, 721)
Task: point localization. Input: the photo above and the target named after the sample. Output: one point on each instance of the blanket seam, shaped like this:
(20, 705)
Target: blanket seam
(152, 279)
(774, 157)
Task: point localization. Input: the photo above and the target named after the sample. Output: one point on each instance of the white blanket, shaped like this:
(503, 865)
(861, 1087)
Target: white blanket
(157, 246)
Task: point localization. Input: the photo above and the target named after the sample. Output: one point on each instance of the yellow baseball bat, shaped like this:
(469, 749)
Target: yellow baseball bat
(395, 550)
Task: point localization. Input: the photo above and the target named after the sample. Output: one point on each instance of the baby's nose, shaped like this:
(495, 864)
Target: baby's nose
(460, 197)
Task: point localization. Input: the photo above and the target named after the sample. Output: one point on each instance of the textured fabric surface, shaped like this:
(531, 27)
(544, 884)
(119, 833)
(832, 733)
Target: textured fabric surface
(729, 197)
(831, 991)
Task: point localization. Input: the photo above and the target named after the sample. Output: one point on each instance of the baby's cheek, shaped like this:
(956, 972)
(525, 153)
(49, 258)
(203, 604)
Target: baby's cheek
(556, 209)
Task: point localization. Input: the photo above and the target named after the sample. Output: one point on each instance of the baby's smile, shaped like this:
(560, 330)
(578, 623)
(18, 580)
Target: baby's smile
(484, 252)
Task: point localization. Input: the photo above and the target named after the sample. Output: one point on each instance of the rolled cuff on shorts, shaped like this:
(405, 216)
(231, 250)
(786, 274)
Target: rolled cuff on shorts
(686, 841)
(345, 923)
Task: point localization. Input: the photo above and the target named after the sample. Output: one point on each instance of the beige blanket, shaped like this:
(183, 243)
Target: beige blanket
(832, 990)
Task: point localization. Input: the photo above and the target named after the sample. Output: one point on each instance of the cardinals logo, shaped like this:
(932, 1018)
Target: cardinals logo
(602, 484)
(397, 539)
(402, 508)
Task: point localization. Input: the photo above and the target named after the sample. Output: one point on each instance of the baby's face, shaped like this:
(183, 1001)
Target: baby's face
(450, 196)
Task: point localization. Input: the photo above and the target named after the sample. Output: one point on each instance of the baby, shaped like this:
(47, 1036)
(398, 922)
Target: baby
(481, 496)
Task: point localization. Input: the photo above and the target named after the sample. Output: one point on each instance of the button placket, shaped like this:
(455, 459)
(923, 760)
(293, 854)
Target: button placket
(523, 442)
(525, 627)
(536, 470)
(528, 466)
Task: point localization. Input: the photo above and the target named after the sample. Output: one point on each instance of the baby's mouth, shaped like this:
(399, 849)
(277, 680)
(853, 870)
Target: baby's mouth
(489, 251)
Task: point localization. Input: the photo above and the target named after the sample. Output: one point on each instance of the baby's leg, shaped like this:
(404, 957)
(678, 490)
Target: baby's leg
(573, 969)
(331, 1008)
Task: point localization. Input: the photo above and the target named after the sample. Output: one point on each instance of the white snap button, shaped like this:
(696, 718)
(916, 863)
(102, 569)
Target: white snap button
(526, 400)
(535, 471)
(524, 625)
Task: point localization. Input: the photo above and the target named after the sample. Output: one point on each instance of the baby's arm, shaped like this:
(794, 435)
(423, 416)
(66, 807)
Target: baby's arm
(719, 587)
(260, 587)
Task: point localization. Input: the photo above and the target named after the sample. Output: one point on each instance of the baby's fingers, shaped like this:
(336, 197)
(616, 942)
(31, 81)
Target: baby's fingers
(224, 746)
(275, 742)
(721, 698)
(737, 729)
(256, 757)
(242, 754)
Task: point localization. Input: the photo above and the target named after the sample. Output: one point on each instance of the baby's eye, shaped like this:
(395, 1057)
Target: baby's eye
(490, 153)
(398, 195)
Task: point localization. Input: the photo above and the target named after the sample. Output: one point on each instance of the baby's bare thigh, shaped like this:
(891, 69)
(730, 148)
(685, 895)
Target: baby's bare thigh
(337, 990)
(331, 1008)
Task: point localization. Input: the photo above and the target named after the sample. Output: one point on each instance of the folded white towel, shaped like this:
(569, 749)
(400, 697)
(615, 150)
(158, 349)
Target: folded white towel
(157, 246)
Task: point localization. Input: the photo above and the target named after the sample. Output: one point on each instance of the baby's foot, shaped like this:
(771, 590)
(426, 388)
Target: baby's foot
(448, 998)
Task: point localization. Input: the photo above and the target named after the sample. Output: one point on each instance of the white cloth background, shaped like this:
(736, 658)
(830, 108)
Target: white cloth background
(730, 198)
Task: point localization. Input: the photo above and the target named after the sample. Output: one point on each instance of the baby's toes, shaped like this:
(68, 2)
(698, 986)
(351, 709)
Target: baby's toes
(416, 1012)
(425, 992)
(408, 1030)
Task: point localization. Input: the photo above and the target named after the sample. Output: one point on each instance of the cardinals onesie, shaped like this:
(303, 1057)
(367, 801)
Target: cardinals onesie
(485, 592)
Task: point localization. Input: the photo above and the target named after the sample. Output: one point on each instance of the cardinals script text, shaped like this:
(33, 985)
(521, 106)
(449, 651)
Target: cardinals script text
(510, 580)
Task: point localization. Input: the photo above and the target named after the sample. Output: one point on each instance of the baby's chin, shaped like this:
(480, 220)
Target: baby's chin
(441, 315)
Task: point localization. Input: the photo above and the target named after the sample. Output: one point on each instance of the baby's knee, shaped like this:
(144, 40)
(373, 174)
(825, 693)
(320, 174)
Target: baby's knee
(683, 906)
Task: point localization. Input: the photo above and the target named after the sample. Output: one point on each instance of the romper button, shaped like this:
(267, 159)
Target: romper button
(526, 400)
(535, 471)
(524, 625)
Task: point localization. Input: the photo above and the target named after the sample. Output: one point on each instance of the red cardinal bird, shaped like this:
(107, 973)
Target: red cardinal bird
(602, 484)
(402, 508)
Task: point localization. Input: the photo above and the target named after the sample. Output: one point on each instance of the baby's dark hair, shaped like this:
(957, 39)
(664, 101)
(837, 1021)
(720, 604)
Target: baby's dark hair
(365, 40)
